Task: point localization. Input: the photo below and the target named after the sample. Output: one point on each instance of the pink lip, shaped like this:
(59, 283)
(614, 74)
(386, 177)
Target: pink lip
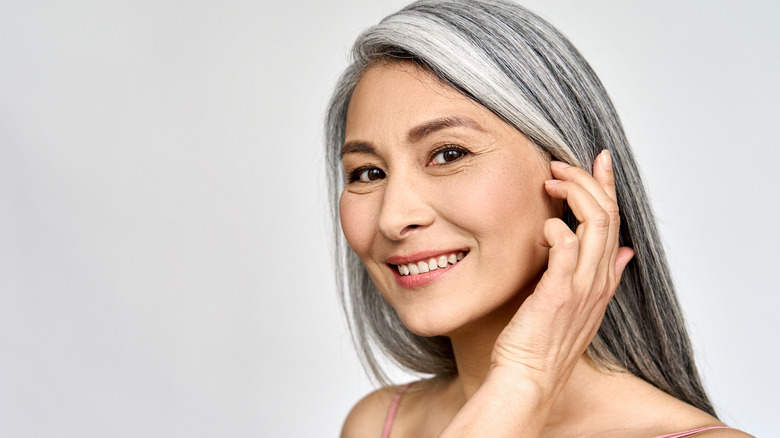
(420, 280)
(420, 256)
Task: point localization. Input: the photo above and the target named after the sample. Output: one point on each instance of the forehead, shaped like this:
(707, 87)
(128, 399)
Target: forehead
(401, 94)
(404, 79)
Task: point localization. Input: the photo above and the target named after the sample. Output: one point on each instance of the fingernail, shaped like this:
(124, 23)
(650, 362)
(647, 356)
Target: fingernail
(559, 164)
(551, 182)
(606, 158)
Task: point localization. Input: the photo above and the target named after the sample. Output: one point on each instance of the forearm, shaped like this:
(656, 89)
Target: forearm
(506, 405)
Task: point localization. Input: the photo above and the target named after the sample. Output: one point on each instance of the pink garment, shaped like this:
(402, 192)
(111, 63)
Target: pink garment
(393, 410)
(691, 432)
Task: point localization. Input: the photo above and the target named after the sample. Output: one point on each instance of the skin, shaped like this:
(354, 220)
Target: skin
(431, 170)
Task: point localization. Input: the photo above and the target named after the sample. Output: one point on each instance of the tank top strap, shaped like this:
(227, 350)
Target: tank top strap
(393, 409)
(692, 432)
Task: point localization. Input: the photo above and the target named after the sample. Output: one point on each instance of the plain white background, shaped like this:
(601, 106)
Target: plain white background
(164, 261)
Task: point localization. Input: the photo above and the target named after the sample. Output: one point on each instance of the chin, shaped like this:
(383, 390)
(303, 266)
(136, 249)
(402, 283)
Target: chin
(427, 331)
(466, 318)
(429, 324)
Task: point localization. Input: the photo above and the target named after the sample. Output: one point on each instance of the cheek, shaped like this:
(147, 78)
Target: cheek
(356, 222)
(505, 211)
(502, 203)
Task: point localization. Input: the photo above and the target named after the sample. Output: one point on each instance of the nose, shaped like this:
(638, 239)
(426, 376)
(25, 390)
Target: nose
(405, 208)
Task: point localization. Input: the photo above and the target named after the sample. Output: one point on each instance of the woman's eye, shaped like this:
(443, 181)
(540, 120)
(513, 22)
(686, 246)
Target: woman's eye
(366, 174)
(448, 156)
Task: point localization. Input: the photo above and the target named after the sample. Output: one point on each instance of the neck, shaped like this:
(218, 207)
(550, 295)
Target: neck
(472, 352)
(473, 345)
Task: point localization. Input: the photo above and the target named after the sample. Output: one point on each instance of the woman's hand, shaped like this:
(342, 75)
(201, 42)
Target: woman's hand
(551, 330)
(535, 354)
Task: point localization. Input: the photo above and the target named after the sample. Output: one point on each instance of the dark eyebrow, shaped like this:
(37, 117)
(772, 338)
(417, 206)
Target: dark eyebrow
(356, 147)
(427, 128)
(415, 134)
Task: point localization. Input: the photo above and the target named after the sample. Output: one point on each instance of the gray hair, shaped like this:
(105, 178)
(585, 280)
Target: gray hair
(521, 68)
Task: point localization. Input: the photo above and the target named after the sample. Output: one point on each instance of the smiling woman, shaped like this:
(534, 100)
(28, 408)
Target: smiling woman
(498, 237)
(442, 177)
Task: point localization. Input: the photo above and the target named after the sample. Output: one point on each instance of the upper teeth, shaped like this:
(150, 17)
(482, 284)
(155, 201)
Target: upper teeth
(431, 264)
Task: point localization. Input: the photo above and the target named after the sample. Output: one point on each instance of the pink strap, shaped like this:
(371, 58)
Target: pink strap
(390, 418)
(692, 432)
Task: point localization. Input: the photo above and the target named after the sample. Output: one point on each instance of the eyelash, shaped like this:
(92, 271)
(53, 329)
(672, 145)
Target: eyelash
(354, 176)
(447, 148)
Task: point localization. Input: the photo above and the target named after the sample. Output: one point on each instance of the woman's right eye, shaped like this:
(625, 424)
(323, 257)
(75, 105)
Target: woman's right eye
(366, 174)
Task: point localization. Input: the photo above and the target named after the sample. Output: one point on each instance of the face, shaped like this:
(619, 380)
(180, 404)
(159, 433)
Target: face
(444, 201)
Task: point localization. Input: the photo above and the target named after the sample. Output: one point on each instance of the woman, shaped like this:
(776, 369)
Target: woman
(500, 238)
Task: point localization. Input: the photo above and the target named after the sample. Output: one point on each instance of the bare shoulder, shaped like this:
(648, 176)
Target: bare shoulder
(661, 414)
(674, 415)
(368, 416)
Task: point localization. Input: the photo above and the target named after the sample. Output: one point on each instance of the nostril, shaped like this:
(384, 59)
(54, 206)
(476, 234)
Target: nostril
(409, 228)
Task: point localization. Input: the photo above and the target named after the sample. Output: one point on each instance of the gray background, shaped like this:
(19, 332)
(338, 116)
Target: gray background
(164, 264)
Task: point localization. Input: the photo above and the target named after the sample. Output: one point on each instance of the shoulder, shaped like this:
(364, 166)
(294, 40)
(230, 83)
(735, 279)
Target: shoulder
(724, 433)
(367, 417)
(632, 407)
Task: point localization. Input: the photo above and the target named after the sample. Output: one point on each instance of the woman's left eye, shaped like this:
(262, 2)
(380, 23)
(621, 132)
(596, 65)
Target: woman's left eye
(448, 155)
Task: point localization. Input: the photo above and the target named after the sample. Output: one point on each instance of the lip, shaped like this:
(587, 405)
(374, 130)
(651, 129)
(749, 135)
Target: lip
(422, 255)
(420, 280)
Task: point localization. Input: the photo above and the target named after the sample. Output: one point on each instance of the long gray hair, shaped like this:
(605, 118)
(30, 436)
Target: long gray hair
(522, 69)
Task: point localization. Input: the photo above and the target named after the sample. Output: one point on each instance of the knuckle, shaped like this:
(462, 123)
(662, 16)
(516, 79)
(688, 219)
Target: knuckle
(560, 300)
(612, 208)
(600, 220)
(616, 220)
(569, 241)
(553, 223)
(602, 288)
(613, 212)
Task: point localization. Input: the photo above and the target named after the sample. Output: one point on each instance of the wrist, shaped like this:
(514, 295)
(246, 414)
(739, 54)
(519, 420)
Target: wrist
(534, 392)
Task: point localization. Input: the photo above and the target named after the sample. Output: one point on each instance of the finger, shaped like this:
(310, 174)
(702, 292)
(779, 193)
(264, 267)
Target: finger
(581, 200)
(601, 187)
(564, 251)
(593, 230)
(603, 174)
(596, 187)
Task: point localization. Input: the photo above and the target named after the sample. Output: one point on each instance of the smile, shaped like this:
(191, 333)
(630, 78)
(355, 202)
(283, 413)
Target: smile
(430, 264)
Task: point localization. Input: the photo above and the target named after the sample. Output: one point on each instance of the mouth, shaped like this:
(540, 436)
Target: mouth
(428, 264)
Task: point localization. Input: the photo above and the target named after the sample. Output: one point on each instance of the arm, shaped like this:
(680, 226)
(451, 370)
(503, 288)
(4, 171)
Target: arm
(536, 353)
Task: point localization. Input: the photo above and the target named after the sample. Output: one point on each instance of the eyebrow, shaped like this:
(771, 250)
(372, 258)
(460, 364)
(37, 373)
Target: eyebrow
(415, 134)
(356, 147)
(428, 128)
